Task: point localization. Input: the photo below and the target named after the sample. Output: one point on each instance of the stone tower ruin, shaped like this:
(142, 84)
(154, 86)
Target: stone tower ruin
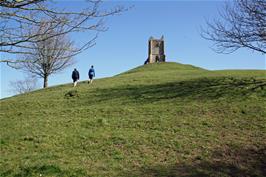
(156, 50)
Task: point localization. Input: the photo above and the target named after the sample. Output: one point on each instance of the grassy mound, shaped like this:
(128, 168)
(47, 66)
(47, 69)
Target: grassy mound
(162, 119)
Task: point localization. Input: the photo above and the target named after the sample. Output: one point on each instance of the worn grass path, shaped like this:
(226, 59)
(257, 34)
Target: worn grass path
(162, 119)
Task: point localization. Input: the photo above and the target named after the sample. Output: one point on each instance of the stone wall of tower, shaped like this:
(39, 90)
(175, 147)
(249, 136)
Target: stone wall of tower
(156, 50)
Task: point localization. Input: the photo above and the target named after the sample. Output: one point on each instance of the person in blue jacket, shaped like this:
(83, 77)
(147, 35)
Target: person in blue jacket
(91, 74)
(75, 77)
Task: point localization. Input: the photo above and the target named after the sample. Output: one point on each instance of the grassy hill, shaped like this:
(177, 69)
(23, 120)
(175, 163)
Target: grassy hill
(163, 119)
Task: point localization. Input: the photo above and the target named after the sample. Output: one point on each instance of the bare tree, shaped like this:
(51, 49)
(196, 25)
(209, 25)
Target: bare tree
(49, 55)
(242, 25)
(18, 18)
(23, 86)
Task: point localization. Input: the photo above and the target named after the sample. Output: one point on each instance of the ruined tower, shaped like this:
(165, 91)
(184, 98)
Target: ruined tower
(156, 50)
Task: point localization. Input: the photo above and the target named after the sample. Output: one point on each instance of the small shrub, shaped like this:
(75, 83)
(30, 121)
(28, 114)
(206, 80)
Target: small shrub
(28, 138)
(71, 93)
(102, 122)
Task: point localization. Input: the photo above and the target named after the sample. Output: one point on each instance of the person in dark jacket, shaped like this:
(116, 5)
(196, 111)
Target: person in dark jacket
(75, 77)
(91, 74)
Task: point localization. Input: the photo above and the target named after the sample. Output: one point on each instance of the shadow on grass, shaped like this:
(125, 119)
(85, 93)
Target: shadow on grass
(236, 163)
(204, 88)
(42, 170)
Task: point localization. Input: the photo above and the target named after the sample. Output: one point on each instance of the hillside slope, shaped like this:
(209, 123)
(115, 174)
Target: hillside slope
(162, 119)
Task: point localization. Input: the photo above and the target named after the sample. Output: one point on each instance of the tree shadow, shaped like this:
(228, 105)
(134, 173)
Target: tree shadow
(204, 89)
(42, 170)
(244, 162)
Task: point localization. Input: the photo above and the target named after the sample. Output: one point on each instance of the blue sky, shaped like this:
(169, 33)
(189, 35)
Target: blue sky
(124, 45)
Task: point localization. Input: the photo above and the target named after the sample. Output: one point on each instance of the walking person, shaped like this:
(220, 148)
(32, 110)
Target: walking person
(91, 74)
(75, 77)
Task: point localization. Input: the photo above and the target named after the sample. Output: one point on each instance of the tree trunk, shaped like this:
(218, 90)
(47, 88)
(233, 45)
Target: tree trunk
(45, 81)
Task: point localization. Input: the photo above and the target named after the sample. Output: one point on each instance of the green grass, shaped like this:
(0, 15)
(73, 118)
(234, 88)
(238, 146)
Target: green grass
(162, 119)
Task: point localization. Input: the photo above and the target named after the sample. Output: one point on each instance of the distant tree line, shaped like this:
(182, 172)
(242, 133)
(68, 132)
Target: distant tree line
(28, 84)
